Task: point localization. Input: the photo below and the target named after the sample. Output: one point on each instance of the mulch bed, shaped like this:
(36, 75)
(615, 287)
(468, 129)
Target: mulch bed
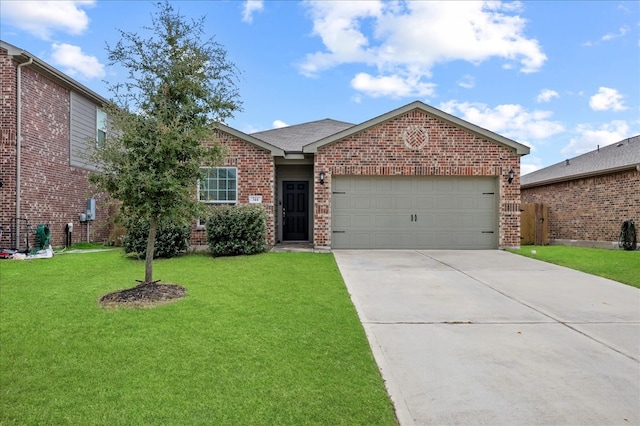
(144, 295)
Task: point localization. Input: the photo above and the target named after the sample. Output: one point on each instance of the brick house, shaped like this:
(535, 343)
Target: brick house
(415, 177)
(46, 120)
(589, 196)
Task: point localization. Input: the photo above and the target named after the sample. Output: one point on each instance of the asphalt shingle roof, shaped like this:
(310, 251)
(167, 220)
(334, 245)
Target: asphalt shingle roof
(293, 138)
(617, 156)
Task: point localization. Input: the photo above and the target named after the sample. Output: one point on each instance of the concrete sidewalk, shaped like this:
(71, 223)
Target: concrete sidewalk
(489, 337)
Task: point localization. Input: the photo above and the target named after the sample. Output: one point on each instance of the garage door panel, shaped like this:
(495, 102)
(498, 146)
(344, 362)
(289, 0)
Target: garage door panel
(361, 203)
(414, 212)
(486, 203)
(403, 186)
(404, 203)
(341, 204)
(362, 185)
(341, 221)
(381, 185)
(383, 203)
(466, 202)
(444, 185)
(424, 203)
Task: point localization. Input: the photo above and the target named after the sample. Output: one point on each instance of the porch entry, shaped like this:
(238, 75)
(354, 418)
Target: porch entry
(295, 211)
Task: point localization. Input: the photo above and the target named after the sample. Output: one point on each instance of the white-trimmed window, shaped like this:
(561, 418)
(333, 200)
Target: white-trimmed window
(219, 185)
(101, 126)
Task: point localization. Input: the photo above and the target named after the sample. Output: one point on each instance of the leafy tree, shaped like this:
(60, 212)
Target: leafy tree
(178, 86)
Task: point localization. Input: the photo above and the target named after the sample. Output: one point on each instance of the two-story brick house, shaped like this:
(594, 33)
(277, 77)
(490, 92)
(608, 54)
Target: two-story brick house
(46, 121)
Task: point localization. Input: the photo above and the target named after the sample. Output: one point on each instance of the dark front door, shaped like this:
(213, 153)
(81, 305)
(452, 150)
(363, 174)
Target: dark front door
(295, 211)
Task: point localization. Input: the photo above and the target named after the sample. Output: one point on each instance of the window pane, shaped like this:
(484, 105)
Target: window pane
(219, 185)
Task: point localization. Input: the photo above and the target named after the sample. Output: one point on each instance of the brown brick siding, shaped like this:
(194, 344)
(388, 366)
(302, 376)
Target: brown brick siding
(52, 192)
(589, 209)
(450, 151)
(256, 176)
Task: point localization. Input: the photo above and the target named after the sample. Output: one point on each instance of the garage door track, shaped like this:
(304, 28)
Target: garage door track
(489, 337)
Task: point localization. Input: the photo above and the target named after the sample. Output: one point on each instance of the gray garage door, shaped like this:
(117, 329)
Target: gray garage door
(417, 212)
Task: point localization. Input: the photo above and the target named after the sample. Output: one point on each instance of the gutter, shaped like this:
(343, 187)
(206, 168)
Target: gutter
(580, 176)
(19, 143)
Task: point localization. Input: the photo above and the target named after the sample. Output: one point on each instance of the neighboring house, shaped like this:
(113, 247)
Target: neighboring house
(415, 177)
(589, 197)
(47, 119)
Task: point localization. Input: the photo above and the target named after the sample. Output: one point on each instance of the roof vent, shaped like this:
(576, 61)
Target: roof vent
(620, 144)
(567, 160)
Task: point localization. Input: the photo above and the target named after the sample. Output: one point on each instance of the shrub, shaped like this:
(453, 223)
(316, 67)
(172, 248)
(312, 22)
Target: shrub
(236, 230)
(171, 238)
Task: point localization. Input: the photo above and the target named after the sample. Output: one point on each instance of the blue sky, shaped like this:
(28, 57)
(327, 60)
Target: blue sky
(559, 76)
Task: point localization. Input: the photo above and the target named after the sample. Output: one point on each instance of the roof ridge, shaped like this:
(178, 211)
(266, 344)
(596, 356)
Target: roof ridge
(303, 124)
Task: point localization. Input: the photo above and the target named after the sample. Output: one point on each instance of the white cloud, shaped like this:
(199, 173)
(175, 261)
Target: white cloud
(589, 138)
(467, 82)
(277, 124)
(546, 95)
(250, 7)
(607, 99)
(608, 37)
(621, 32)
(393, 86)
(510, 120)
(530, 164)
(42, 18)
(75, 63)
(405, 40)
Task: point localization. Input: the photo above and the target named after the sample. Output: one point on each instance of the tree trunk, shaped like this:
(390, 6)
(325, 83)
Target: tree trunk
(151, 242)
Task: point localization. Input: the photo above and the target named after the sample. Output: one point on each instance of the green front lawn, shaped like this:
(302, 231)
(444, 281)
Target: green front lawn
(260, 340)
(617, 265)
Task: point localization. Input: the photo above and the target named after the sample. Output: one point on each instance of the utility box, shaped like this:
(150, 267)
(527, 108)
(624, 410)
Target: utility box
(91, 209)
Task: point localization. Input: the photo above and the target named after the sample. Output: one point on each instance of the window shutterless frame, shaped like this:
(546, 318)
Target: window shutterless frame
(219, 185)
(101, 126)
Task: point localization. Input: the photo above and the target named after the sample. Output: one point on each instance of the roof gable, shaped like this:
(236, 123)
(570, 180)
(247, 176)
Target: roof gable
(619, 156)
(23, 57)
(484, 133)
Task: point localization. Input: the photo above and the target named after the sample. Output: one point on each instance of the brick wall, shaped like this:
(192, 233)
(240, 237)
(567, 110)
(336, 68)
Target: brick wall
(7, 144)
(256, 176)
(52, 192)
(450, 151)
(589, 209)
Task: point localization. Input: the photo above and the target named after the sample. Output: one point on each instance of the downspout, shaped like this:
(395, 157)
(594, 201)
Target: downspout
(18, 143)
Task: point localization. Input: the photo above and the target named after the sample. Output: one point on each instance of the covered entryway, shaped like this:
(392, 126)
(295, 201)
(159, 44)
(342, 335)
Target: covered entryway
(414, 212)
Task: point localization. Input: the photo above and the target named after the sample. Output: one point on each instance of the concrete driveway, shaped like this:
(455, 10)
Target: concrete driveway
(489, 337)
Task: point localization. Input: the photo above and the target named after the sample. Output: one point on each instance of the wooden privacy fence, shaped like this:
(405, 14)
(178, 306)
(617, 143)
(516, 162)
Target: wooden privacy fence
(534, 226)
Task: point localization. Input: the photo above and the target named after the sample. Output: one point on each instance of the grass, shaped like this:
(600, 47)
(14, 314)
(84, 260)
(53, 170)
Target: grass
(617, 265)
(259, 340)
(83, 246)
